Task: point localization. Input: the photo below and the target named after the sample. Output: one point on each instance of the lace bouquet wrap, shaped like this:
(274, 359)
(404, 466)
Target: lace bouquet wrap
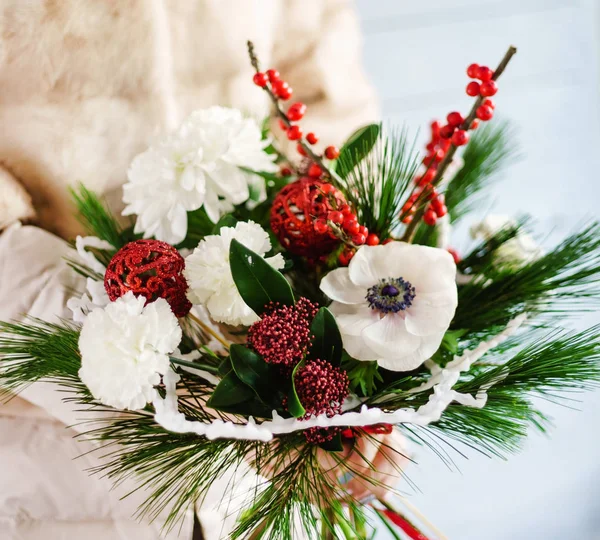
(267, 313)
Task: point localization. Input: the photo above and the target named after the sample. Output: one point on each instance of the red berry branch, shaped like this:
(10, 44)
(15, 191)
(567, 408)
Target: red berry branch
(456, 132)
(277, 89)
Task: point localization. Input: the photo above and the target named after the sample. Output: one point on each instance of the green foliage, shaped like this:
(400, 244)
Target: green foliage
(491, 148)
(37, 350)
(252, 370)
(95, 216)
(364, 376)
(378, 186)
(257, 281)
(327, 340)
(356, 148)
(558, 282)
(294, 405)
(199, 226)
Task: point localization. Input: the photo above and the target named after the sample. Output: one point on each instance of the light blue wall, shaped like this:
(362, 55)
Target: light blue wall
(416, 53)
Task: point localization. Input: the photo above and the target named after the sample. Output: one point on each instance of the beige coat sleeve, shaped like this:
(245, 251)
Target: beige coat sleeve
(321, 58)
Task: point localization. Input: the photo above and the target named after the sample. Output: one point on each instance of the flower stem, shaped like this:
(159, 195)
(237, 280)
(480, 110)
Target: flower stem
(305, 146)
(208, 330)
(420, 203)
(194, 365)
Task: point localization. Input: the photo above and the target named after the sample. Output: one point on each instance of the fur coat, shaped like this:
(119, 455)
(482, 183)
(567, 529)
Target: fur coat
(86, 85)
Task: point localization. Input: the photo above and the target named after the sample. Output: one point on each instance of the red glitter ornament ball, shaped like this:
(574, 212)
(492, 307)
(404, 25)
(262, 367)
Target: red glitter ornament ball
(296, 209)
(282, 336)
(321, 389)
(151, 269)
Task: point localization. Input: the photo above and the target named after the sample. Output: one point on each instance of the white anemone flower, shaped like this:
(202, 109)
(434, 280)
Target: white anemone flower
(205, 162)
(125, 349)
(208, 273)
(394, 303)
(516, 252)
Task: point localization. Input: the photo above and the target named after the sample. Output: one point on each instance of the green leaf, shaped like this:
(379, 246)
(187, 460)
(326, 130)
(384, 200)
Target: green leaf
(256, 280)
(226, 221)
(253, 371)
(357, 146)
(334, 445)
(327, 343)
(294, 406)
(225, 367)
(230, 391)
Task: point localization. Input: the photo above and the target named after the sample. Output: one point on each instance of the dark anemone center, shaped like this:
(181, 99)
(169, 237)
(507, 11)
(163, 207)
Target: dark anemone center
(391, 295)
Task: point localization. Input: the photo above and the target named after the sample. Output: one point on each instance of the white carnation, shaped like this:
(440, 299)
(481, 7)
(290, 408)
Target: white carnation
(201, 164)
(125, 348)
(516, 252)
(209, 276)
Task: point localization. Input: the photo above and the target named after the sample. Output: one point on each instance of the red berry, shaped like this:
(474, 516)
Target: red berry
(428, 176)
(294, 133)
(336, 217)
(454, 254)
(439, 155)
(273, 75)
(300, 150)
(285, 93)
(473, 71)
(435, 127)
(489, 88)
(387, 241)
(407, 219)
(430, 217)
(260, 79)
(475, 124)
(443, 210)
(372, 239)
(455, 119)
(485, 74)
(321, 226)
(364, 231)
(331, 152)
(285, 171)
(351, 227)
(359, 239)
(346, 210)
(311, 138)
(489, 103)
(327, 188)
(406, 208)
(460, 137)
(446, 131)
(314, 171)
(473, 88)
(283, 125)
(346, 256)
(484, 113)
(433, 194)
(279, 86)
(296, 111)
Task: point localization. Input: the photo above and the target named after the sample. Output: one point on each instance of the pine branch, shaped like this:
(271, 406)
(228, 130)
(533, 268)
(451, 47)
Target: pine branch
(38, 350)
(563, 280)
(95, 216)
(490, 149)
(377, 186)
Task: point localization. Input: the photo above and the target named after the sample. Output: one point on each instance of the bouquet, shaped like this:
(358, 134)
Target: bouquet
(269, 313)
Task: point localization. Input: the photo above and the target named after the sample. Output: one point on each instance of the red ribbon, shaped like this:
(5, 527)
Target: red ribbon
(403, 524)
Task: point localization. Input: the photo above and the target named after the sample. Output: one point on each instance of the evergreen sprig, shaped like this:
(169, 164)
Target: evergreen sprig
(94, 215)
(378, 184)
(491, 148)
(34, 350)
(557, 283)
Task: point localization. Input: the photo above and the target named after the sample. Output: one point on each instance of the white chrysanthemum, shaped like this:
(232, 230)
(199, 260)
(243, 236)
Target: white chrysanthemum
(209, 276)
(516, 252)
(201, 164)
(394, 303)
(125, 348)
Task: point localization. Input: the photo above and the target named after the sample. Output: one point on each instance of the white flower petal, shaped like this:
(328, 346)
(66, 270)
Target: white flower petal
(431, 313)
(338, 286)
(389, 338)
(352, 320)
(369, 265)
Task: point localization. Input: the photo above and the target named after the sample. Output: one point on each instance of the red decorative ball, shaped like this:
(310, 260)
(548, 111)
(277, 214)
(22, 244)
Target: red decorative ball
(151, 269)
(295, 211)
